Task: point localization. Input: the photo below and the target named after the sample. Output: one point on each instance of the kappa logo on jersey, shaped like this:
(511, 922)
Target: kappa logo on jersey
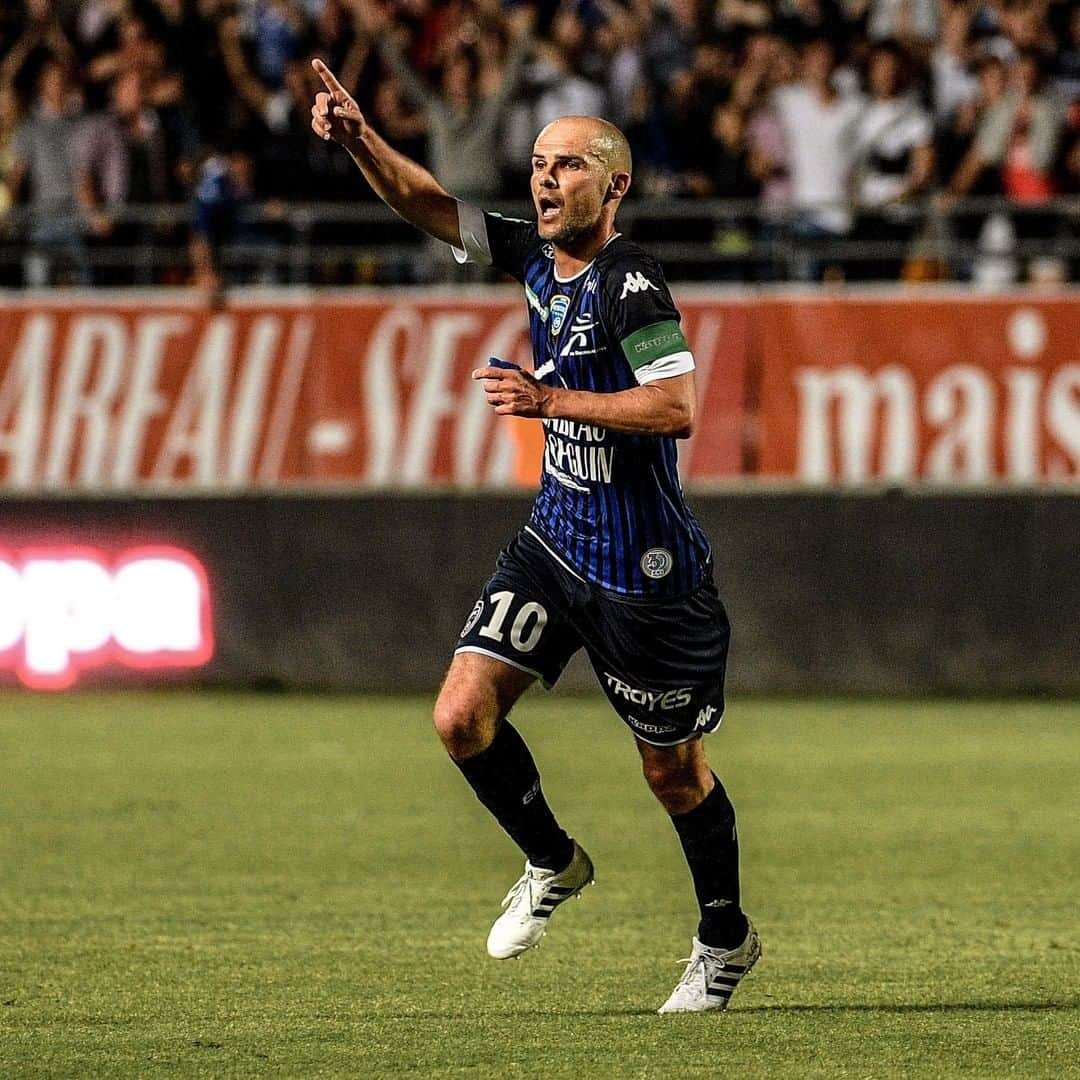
(558, 307)
(635, 283)
(590, 285)
(578, 341)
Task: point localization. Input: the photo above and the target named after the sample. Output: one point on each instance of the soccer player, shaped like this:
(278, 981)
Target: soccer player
(611, 560)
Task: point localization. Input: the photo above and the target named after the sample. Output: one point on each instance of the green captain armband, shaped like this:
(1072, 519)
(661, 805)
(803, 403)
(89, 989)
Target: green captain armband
(653, 342)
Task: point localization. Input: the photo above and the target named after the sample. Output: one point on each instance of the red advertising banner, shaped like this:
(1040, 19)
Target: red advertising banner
(103, 392)
(100, 393)
(964, 390)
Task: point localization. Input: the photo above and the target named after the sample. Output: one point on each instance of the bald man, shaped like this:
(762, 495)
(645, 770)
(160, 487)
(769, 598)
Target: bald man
(611, 560)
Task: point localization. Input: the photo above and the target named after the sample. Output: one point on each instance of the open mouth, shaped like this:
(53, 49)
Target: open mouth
(549, 208)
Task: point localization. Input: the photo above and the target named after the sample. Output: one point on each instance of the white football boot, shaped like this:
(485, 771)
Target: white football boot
(529, 904)
(711, 976)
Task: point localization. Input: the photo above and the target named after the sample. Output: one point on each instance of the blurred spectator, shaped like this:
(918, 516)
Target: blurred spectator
(45, 168)
(562, 89)
(728, 172)
(957, 131)
(819, 129)
(38, 30)
(465, 114)
(278, 26)
(804, 20)
(222, 215)
(953, 83)
(732, 15)
(706, 91)
(617, 41)
(1067, 67)
(289, 163)
(1018, 136)
(894, 159)
(401, 126)
(689, 116)
(672, 32)
(913, 22)
(130, 47)
(1017, 142)
(192, 57)
(124, 157)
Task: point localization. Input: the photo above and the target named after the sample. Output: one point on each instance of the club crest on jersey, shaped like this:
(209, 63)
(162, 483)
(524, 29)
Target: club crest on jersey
(656, 563)
(558, 307)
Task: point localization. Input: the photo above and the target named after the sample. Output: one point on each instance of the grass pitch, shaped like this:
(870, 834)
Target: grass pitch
(239, 885)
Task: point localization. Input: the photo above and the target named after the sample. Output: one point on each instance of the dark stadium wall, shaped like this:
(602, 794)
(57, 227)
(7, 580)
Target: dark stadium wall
(865, 593)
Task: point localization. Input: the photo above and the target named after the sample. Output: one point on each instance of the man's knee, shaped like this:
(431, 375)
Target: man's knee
(465, 726)
(476, 695)
(678, 779)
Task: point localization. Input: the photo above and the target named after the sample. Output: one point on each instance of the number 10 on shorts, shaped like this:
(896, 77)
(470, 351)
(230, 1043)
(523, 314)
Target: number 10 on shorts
(525, 630)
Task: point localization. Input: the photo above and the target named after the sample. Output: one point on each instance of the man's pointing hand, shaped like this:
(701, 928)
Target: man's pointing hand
(335, 115)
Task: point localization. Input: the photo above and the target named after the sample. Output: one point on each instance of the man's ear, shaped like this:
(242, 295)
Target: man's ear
(617, 187)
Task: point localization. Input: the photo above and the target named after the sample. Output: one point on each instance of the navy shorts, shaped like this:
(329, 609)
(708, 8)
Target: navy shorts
(660, 662)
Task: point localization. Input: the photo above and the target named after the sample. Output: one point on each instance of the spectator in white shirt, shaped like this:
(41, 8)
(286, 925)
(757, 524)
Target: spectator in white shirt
(819, 127)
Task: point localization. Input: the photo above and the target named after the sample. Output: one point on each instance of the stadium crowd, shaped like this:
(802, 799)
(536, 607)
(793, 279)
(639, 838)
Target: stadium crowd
(844, 119)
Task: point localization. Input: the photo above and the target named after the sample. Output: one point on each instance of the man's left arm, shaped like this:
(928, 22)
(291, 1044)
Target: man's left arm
(665, 406)
(643, 324)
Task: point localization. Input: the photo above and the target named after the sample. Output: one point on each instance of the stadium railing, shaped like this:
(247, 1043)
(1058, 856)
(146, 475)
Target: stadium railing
(739, 241)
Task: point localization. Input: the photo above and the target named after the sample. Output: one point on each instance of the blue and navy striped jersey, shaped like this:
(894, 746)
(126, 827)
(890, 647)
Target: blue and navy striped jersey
(610, 504)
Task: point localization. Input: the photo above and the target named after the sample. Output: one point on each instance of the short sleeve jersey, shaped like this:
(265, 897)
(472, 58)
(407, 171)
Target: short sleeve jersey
(610, 504)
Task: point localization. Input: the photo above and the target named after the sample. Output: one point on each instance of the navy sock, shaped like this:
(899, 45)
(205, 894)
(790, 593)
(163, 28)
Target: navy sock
(711, 845)
(506, 781)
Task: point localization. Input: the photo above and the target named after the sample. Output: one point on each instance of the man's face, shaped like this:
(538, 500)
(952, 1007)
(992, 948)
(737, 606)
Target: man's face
(52, 85)
(127, 93)
(818, 62)
(568, 183)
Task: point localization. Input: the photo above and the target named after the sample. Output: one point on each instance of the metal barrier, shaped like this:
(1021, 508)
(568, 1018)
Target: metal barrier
(993, 240)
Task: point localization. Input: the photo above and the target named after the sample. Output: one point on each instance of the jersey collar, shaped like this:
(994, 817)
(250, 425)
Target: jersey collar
(586, 267)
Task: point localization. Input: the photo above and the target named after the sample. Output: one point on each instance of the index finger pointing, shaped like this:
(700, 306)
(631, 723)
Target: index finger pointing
(329, 79)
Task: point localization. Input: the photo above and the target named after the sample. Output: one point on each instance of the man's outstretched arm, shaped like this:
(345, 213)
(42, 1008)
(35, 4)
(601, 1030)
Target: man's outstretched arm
(406, 187)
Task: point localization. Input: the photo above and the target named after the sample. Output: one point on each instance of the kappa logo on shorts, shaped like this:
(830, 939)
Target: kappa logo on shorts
(471, 621)
(704, 717)
(656, 563)
(651, 729)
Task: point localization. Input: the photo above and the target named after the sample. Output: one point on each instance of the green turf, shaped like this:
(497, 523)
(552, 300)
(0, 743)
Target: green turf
(288, 886)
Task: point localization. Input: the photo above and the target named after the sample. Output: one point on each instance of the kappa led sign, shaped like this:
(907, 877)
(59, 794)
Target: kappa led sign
(66, 609)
